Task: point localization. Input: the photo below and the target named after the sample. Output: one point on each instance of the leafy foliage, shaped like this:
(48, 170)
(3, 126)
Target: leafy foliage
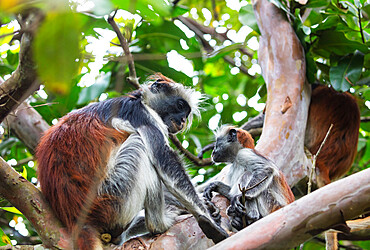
(79, 62)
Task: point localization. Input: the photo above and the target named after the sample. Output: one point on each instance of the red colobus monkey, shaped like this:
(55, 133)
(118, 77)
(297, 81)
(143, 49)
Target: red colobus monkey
(118, 150)
(338, 153)
(266, 187)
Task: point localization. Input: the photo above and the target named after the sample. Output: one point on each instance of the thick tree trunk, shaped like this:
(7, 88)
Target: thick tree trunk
(282, 60)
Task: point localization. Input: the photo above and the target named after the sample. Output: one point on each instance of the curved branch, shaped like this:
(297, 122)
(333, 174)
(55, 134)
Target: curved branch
(29, 200)
(23, 82)
(292, 225)
(123, 42)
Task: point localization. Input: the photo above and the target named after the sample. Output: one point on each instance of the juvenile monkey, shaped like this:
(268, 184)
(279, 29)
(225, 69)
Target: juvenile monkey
(266, 187)
(111, 159)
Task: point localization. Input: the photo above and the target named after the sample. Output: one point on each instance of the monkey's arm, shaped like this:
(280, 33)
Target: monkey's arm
(218, 187)
(170, 169)
(259, 181)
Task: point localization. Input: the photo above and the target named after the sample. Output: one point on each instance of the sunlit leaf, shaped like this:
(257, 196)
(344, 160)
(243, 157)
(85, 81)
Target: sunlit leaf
(4, 239)
(24, 172)
(247, 17)
(11, 210)
(347, 72)
(56, 49)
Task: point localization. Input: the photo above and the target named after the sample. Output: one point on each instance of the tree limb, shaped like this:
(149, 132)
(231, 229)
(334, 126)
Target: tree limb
(23, 82)
(282, 60)
(29, 200)
(306, 217)
(123, 42)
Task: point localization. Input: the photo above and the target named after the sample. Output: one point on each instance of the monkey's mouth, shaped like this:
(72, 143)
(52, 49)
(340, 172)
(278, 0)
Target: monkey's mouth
(175, 127)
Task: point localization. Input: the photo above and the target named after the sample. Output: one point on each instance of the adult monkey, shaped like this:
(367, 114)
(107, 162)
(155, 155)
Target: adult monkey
(118, 151)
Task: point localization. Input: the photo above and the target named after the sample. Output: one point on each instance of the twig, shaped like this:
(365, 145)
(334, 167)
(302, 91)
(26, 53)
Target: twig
(243, 191)
(131, 66)
(190, 156)
(359, 22)
(365, 119)
(9, 34)
(309, 184)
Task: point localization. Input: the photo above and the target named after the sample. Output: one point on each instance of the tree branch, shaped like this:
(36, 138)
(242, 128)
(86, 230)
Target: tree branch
(306, 217)
(23, 82)
(29, 200)
(123, 42)
(27, 124)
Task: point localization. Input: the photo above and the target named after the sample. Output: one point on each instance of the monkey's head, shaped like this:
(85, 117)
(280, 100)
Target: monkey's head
(173, 102)
(229, 140)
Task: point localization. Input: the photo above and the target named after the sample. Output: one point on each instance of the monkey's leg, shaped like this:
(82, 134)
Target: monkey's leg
(159, 217)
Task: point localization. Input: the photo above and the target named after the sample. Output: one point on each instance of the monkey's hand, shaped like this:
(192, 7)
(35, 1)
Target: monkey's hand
(237, 213)
(216, 186)
(207, 194)
(213, 211)
(212, 230)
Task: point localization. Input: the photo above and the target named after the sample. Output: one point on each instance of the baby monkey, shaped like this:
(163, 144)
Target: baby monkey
(264, 185)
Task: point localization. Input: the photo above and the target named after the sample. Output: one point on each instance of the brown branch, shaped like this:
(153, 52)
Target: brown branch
(23, 82)
(29, 200)
(27, 124)
(190, 156)
(306, 217)
(312, 169)
(365, 119)
(123, 42)
(200, 30)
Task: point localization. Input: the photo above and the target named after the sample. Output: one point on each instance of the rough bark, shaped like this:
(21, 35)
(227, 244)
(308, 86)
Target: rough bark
(282, 60)
(306, 217)
(29, 200)
(27, 124)
(23, 82)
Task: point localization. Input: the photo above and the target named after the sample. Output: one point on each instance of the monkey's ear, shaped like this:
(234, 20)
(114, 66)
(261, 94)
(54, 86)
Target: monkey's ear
(232, 137)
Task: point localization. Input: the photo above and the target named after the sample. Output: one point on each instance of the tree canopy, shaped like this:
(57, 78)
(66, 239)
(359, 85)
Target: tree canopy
(62, 55)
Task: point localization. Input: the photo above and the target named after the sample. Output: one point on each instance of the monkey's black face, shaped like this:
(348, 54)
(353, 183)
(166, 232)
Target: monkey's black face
(226, 147)
(174, 112)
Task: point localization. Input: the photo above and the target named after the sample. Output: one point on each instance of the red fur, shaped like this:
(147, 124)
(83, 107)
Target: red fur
(72, 159)
(245, 138)
(247, 141)
(338, 153)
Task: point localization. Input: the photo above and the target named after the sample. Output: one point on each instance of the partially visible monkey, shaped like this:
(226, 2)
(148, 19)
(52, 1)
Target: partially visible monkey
(266, 187)
(117, 154)
(338, 153)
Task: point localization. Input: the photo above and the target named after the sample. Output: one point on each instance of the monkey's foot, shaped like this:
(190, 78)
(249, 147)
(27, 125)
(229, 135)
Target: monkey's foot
(211, 230)
(213, 211)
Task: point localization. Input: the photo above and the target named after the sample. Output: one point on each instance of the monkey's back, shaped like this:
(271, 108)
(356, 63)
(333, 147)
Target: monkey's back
(340, 109)
(72, 159)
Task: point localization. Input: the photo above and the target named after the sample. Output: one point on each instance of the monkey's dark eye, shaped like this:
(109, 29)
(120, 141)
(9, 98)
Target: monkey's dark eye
(232, 135)
(180, 104)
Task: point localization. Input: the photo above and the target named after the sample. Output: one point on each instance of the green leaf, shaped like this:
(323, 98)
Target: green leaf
(6, 69)
(336, 42)
(56, 49)
(4, 239)
(311, 68)
(347, 72)
(11, 210)
(12, 58)
(317, 3)
(24, 173)
(179, 10)
(247, 17)
(90, 93)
